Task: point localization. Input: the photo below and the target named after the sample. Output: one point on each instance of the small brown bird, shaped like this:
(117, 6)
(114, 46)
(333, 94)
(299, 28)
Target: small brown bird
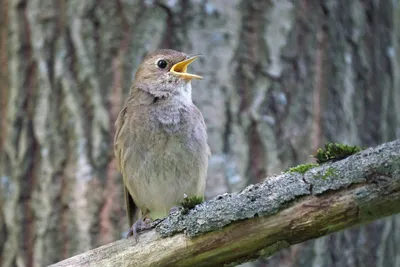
(161, 139)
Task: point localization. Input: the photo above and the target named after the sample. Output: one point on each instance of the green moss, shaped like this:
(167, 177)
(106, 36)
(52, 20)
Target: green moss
(329, 172)
(334, 152)
(190, 202)
(331, 152)
(303, 167)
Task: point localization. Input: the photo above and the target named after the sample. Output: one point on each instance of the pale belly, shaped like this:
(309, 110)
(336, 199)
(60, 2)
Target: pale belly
(165, 174)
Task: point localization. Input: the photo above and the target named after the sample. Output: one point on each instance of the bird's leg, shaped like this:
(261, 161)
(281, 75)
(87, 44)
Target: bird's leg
(173, 209)
(176, 208)
(140, 225)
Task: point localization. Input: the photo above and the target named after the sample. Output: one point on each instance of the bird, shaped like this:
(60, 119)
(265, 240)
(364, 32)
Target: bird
(160, 142)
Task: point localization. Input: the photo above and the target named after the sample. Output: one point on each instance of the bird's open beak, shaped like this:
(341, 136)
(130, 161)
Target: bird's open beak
(180, 69)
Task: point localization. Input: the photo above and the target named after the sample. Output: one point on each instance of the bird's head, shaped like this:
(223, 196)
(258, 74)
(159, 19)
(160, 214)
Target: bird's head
(164, 73)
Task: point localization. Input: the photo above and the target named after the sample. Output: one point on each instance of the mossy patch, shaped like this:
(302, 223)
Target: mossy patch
(190, 202)
(330, 172)
(334, 152)
(331, 152)
(303, 167)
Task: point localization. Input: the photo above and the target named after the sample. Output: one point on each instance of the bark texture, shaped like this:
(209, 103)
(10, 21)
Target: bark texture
(281, 78)
(265, 217)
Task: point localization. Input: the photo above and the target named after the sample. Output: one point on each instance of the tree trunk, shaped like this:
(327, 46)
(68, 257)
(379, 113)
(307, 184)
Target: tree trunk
(281, 79)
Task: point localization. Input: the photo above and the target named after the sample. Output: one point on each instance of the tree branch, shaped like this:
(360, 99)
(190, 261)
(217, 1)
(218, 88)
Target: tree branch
(283, 210)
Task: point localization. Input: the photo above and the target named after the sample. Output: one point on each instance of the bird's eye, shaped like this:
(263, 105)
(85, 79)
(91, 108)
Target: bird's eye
(162, 64)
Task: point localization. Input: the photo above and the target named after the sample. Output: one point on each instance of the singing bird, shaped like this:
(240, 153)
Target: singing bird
(161, 140)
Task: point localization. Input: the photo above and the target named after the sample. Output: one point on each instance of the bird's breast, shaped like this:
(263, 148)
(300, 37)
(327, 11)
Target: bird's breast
(169, 117)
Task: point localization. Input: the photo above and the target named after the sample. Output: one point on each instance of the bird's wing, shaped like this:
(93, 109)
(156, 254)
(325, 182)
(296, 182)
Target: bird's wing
(117, 147)
(201, 132)
(199, 137)
(131, 208)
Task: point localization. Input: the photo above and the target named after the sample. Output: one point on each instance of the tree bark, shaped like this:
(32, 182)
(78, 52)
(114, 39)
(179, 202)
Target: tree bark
(281, 79)
(263, 218)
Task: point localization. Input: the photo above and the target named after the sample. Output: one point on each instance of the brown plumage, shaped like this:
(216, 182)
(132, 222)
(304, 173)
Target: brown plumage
(161, 140)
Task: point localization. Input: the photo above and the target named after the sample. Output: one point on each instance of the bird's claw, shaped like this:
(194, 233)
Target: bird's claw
(139, 225)
(173, 209)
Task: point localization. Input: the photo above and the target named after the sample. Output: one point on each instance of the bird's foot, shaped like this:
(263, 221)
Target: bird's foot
(138, 226)
(173, 209)
(177, 208)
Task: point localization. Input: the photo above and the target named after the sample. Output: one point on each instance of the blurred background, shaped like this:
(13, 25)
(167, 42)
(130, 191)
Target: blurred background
(281, 78)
